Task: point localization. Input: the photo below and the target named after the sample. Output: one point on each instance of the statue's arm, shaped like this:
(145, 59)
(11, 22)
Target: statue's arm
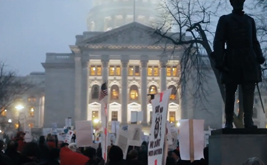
(256, 44)
(219, 42)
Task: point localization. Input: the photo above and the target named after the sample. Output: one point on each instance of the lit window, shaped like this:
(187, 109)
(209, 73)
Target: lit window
(114, 92)
(31, 99)
(131, 71)
(16, 126)
(114, 115)
(149, 71)
(94, 115)
(3, 113)
(95, 92)
(99, 71)
(32, 111)
(112, 71)
(172, 118)
(134, 92)
(30, 125)
(174, 71)
(118, 70)
(156, 71)
(174, 92)
(136, 71)
(95, 71)
(153, 89)
(169, 71)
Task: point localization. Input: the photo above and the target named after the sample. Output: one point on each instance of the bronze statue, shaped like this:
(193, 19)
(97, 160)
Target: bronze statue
(239, 63)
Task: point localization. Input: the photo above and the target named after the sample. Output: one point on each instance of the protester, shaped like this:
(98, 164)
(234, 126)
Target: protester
(254, 161)
(12, 152)
(44, 150)
(133, 158)
(4, 160)
(170, 160)
(69, 157)
(177, 158)
(116, 156)
(51, 141)
(20, 140)
(142, 157)
(53, 157)
(30, 153)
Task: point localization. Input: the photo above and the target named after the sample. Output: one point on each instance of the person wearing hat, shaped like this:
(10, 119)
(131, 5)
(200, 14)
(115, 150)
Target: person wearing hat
(20, 140)
(239, 62)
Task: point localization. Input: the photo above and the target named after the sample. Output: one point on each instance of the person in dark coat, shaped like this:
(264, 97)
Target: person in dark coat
(30, 153)
(12, 152)
(20, 140)
(115, 156)
(239, 63)
(177, 158)
(133, 158)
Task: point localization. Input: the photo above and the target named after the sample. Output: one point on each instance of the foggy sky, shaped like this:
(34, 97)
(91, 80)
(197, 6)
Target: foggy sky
(31, 28)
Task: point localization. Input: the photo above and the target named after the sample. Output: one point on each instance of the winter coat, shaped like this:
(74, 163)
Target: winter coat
(68, 157)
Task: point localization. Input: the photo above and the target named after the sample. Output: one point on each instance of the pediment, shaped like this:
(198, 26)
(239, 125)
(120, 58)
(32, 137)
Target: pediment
(130, 34)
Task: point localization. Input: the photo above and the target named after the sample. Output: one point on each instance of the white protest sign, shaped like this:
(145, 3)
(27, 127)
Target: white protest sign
(69, 136)
(54, 128)
(84, 133)
(158, 128)
(61, 136)
(191, 139)
(135, 135)
(170, 139)
(112, 138)
(122, 142)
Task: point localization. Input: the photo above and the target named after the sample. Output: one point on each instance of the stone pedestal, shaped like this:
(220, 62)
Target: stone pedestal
(233, 147)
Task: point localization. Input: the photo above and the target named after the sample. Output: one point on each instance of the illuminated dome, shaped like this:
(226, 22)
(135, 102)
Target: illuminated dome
(109, 14)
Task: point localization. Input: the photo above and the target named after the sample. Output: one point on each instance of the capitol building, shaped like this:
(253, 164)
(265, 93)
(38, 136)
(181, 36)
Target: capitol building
(120, 48)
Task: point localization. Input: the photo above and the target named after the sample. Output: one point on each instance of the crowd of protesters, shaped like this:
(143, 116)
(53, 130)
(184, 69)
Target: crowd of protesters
(49, 151)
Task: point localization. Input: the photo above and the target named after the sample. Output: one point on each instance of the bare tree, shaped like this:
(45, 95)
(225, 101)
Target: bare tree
(194, 18)
(11, 87)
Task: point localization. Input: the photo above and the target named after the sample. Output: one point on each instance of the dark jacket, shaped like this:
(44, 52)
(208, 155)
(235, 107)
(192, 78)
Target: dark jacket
(240, 61)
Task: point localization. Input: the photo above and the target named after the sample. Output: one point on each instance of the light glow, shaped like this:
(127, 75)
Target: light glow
(178, 124)
(96, 120)
(19, 107)
(9, 120)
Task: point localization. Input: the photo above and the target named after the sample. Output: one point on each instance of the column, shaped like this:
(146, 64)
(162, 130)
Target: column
(105, 69)
(78, 77)
(144, 91)
(84, 91)
(124, 89)
(163, 75)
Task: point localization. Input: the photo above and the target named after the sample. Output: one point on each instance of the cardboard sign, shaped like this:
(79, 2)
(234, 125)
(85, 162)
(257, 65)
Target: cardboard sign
(191, 139)
(135, 135)
(158, 128)
(122, 142)
(84, 133)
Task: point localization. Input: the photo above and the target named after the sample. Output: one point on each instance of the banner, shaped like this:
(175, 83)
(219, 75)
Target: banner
(68, 136)
(191, 139)
(158, 128)
(84, 133)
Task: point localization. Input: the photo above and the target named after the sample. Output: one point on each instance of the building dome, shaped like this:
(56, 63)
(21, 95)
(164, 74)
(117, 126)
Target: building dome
(109, 14)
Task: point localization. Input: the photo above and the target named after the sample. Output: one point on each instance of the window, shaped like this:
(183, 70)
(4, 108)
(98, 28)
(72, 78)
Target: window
(172, 118)
(133, 92)
(174, 92)
(153, 89)
(16, 126)
(30, 125)
(95, 71)
(172, 71)
(4, 111)
(134, 116)
(31, 99)
(95, 115)
(153, 71)
(95, 92)
(134, 70)
(114, 92)
(31, 112)
(114, 116)
(114, 70)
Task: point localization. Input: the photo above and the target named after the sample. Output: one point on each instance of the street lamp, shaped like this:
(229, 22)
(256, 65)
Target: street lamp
(96, 121)
(19, 107)
(9, 120)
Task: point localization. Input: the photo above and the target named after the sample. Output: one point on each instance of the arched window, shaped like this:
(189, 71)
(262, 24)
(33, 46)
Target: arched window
(114, 91)
(134, 92)
(174, 92)
(153, 89)
(255, 115)
(95, 92)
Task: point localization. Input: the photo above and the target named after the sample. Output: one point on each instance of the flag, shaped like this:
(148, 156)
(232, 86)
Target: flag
(103, 92)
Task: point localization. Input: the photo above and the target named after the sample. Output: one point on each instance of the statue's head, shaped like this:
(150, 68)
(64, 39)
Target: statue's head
(237, 4)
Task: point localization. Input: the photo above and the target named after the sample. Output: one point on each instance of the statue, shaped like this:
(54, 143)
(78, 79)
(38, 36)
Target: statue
(239, 63)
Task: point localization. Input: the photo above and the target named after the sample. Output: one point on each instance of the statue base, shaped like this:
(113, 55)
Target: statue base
(235, 146)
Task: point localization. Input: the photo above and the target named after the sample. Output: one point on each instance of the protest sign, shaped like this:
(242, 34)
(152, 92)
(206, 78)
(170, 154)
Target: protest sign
(122, 142)
(54, 128)
(84, 133)
(158, 128)
(191, 139)
(135, 135)
(68, 136)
